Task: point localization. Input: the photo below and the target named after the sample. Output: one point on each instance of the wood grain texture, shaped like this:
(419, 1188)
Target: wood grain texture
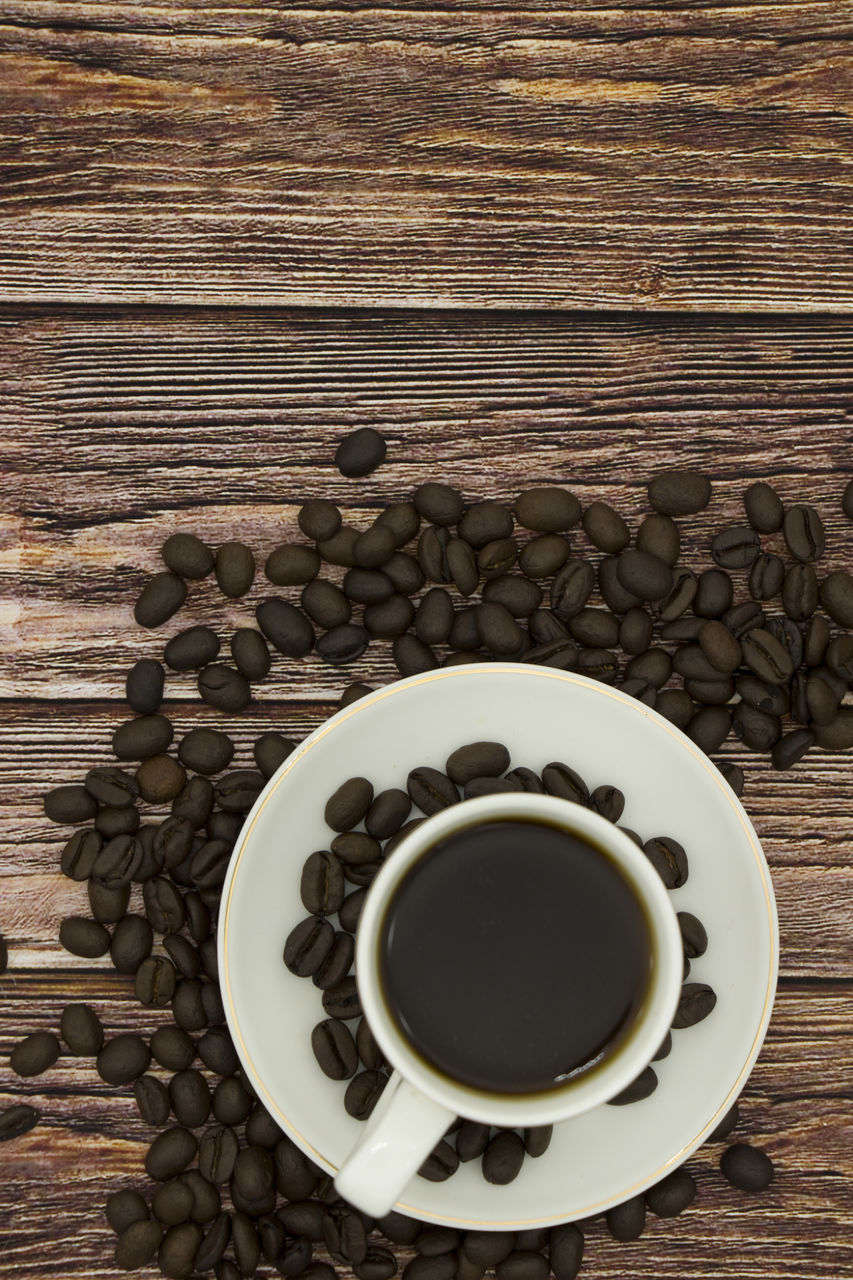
(674, 155)
(120, 426)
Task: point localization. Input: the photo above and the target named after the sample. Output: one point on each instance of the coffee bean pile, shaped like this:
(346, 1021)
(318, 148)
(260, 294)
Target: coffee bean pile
(367, 828)
(445, 582)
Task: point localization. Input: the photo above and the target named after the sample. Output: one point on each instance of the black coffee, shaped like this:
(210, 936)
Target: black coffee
(514, 955)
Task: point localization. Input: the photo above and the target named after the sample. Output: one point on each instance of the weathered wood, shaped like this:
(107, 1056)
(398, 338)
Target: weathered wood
(672, 156)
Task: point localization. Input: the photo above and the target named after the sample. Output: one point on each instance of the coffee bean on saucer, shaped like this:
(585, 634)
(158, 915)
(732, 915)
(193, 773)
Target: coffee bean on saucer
(34, 1054)
(360, 452)
(538, 1139)
(387, 813)
(322, 885)
(431, 790)
(159, 600)
(672, 1195)
(144, 685)
(356, 848)
(697, 1000)
(664, 1049)
(337, 963)
(626, 1221)
(84, 937)
(693, 935)
(350, 910)
(668, 858)
(224, 687)
(608, 801)
(334, 1049)
(472, 1138)
(560, 780)
(477, 759)
(679, 493)
(369, 1052)
(363, 1093)
(565, 1250)
(440, 1164)
(503, 1158)
(642, 1087)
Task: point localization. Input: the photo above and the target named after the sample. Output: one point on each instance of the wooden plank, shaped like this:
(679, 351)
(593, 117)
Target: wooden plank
(668, 156)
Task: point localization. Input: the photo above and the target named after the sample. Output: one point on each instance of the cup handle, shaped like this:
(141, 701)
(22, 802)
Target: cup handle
(398, 1137)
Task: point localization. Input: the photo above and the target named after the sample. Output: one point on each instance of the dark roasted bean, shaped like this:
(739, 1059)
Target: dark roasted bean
(816, 641)
(543, 556)
(561, 654)
(526, 780)
(710, 727)
(84, 937)
(81, 1030)
(351, 909)
(144, 685)
(642, 1087)
(485, 522)
(206, 750)
(432, 554)
(374, 546)
(337, 963)
(523, 1264)
(232, 1101)
(152, 1099)
(665, 1048)
(836, 596)
(476, 760)
(434, 618)
(804, 533)
(462, 567)
(387, 813)
(163, 905)
(770, 698)
(596, 628)
(378, 1264)
(679, 493)
(159, 600)
(250, 653)
(245, 1243)
(441, 1268)
(360, 452)
(237, 791)
(402, 519)
(123, 1059)
(696, 1002)
(177, 1254)
(343, 644)
(270, 751)
(714, 595)
(608, 801)
(537, 1140)
(34, 1054)
(713, 693)
(680, 596)
(72, 803)
(357, 848)
(503, 1158)
(735, 547)
(643, 575)
(412, 656)
(498, 630)
(659, 536)
(224, 687)
(340, 547)
(668, 858)
(671, 1196)
(108, 902)
(791, 748)
(800, 592)
(472, 1138)
(763, 506)
(215, 1243)
(500, 555)
(235, 569)
(693, 935)
(547, 509)
(217, 1153)
(319, 519)
(766, 577)
(398, 1228)
(487, 1248)
(605, 528)
(565, 1250)
(676, 706)
(758, 730)
(334, 1049)
(766, 656)
(343, 1000)
(363, 1093)
(430, 789)
(440, 1164)
(747, 1167)
(733, 775)
(349, 804)
(195, 803)
(367, 586)
(322, 886)
(217, 1052)
(190, 649)
(304, 1218)
(112, 786)
(172, 1048)
(488, 786)
(616, 596)
(132, 941)
(369, 1051)
(188, 1007)
(161, 778)
(190, 1097)
(720, 646)
(691, 662)
(294, 1176)
(137, 1244)
(292, 565)
(286, 627)
(111, 822)
(821, 700)
(404, 573)
(559, 780)
(626, 1221)
(307, 946)
(390, 619)
(655, 665)
(124, 1208)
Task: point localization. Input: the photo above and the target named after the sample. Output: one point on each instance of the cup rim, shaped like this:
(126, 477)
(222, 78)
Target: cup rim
(577, 1096)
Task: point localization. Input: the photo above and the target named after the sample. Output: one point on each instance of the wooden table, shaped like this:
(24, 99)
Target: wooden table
(558, 244)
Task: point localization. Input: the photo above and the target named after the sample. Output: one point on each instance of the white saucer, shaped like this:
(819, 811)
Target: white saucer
(671, 788)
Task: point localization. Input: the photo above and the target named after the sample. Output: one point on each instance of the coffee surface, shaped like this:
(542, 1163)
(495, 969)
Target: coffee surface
(513, 955)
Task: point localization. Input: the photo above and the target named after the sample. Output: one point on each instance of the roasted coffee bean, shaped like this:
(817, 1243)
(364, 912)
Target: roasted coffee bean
(677, 706)
(176, 1257)
(159, 600)
(770, 698)
(523, 1264)
(680, 596)
(123, 1208)
(387, 813)
(250, 653)
(217, 1153)
(322, 885)
(195, 803)
(144, 686)
(337, 963)
(360, 452)
(668, 858)
(245, 1243)
(319, 519)
(84, 937)
(391, 619)
(412, 656)
(791, 748)
(350, 910)
(235, 569)
(286, 627)
(432, 554)
(547, 509)
(155, 982)
(643, 575)
(294, 1176)
(217, 1052)
(693, 935)
(440, 1164)
(402, 519)
(173, 840)
(476, 760)
(304, 1218)
(733, 775)
(190, 1098)
(655, 666)
(616, 596)
(472, 1138)
(378, 1264)
(349, 804)
(215, 1243)
(465, 633)
(758, 730)
(800, 592)
(253, 1181)
(206, 750)
(343, 644)
(709, 728)
(430, 789)
(537, 1140)
(375, 546)
(804, 533)
(398, 1228)
(565, 1250)
(72, 803)
(170, 1153)
(816, 641)
(643, 1086)
(635, 631)
(343, 1000)
(356, 848)
(340, 547)
(237, 791)
(81, 1030)
(498, 630)
(526, 780)
(164, 906)
(108, 903)
(608, 801)
(559, 780)
(735, 547)
(485, 522)
(626, 1221)
(161, 778)
(326, 604)
(488, 787)
(720, 646)
(542, 556)
(691, 662)
(595, 628)
(187, 555)
(696, 1002)
(503, 1158)
(714, 595)
(131, 943)
(123, 1059)
(272, 1236)
(766, 656)
(682, 630)
(821, 700)
(664, 1049)
(517, 594)
(495, 558)
(561, 654)
(766, 577)
(232, 1101)
(152, 1099)
(292, 564)
(119, 861)
(172, 1048)
(605, 528)
(34, 1054)
(112, 786)
(679, 493)
(366, 586)
(658, 535)
(111, 822)
(261, 1129)
(836, 596)
(308, 946)
(440, 1268)
(487, 1248)
(79, 855)
(143, 737)
(190, 649)
(224, 687)
(747, 1167)
(296, 1258)
(187, 1005)
(434, 618)
(363, 1093)
(763, 506)
(137, 1244)
(672, 1195)
(334, 1049)
(404, 573)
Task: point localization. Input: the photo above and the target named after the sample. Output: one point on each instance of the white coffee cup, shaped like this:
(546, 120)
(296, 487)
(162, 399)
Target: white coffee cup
(420, 1103)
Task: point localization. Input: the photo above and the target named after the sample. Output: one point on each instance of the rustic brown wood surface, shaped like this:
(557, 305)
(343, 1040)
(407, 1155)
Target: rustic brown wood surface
(118, 427)
(672, 155)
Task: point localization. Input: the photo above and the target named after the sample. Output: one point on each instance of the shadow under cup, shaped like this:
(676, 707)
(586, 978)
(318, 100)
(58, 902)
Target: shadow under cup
(520, 951)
